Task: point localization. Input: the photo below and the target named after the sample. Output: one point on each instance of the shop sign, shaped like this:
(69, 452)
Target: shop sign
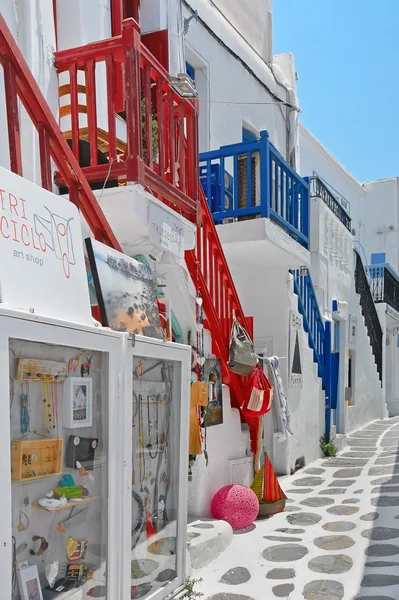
(42, 263)
(295, 353)
(166, 230)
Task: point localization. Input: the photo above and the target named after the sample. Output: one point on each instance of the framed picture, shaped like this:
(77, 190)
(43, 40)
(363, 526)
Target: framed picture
(78, 402)
(29, 583)
(213, 413)
(125, 291)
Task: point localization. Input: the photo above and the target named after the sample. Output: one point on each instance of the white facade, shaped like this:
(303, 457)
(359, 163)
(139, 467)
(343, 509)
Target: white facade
(236, 86)
(240, 86)
(332, 272)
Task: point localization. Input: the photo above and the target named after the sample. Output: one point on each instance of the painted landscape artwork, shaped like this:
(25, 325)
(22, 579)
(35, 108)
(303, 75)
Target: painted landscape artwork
(125, 291)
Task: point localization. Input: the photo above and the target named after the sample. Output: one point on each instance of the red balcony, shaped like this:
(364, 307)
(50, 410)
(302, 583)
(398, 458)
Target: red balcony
(125, 122)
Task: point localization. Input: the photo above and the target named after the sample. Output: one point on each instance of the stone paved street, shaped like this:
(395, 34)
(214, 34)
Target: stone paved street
(338, 538)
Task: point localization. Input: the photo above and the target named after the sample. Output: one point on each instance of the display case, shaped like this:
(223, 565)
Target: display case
(157, 380)
(60, 460)
(93, 457)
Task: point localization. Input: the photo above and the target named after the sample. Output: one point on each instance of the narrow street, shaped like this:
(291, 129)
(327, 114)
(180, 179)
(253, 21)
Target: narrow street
(337, 539)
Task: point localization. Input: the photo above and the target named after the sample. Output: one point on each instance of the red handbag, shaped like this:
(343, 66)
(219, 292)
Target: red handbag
(260, 394)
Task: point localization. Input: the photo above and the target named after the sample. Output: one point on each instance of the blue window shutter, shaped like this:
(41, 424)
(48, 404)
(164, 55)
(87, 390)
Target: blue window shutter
(190, 71)
(378, 258)
(248, 136)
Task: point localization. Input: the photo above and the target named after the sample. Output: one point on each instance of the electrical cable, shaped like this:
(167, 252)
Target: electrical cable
(107, 177)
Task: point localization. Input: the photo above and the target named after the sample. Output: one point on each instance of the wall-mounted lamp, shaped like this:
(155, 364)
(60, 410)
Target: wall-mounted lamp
(183, 85)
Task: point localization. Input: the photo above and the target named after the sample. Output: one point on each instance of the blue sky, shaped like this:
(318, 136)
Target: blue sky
(347, 56)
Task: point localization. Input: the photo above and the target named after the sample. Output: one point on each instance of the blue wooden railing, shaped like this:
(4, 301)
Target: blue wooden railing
(313, 323)
(319, 338)
(252, 179)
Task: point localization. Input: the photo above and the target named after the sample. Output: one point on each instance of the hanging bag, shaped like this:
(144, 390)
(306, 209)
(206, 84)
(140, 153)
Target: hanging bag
(242, 355)
(260, 395)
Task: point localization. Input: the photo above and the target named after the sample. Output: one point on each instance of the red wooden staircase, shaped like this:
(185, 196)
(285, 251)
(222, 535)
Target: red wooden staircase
(213, 281)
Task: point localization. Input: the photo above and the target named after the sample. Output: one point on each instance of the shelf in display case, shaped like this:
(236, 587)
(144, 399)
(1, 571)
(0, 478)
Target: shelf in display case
(66, 506)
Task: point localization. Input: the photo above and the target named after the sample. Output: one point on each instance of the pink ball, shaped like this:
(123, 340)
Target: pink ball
(236, 504)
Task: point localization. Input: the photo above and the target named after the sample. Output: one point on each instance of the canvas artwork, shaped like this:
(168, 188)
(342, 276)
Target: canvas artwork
(213, 413)
(125, 291)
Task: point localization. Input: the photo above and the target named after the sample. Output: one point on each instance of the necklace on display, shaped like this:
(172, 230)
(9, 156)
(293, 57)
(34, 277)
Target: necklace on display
(141, 443)
(150, 447)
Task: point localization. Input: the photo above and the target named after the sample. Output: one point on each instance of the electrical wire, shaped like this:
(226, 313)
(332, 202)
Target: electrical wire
(247, 102)
(107, 177)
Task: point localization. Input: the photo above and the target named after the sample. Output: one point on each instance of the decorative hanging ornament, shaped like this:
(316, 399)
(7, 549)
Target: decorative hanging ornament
(199, 300)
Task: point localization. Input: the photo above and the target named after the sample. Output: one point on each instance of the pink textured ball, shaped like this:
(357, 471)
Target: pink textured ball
(236, 504)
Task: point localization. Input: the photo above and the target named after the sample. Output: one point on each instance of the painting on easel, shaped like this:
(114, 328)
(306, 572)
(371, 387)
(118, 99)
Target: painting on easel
(125, 291)
(213, 413)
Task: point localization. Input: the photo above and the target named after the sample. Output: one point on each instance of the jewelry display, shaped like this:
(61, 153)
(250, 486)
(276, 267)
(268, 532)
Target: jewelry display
(42, 547)
(37, 452)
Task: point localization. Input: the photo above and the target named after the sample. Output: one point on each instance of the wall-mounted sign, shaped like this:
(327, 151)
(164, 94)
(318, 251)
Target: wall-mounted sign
(166, 230)
(295, 376)
(42, 264)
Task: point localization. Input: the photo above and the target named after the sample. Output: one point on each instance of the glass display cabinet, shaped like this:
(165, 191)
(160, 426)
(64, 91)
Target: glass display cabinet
(157, 379)
(94, 442)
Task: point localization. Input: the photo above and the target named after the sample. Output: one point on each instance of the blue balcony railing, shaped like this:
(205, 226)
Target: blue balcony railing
(251, 180)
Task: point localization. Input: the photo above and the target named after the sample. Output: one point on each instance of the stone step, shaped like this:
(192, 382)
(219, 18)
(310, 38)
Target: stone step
(206, 540)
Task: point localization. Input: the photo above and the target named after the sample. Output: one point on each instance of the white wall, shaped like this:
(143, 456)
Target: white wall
(32, 25)
(222, 63)
(380, 231)
(369, 397)
(224, 443)
(254, 23)
(316, 159)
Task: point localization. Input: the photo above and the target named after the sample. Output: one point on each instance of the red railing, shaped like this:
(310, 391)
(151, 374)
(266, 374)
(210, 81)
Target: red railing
(117, 83)
(21, 87)
(212, 278)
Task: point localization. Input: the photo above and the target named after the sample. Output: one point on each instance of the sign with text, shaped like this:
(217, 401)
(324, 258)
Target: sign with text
(295, 352)
(166, 230)
(42, 264)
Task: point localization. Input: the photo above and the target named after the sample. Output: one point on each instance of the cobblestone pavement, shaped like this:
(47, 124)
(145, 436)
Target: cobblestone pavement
(338, 538)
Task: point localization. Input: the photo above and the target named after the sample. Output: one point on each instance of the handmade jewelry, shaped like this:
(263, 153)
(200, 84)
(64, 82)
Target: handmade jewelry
(142, 473)
(150, 446)
(25, 407)
(42, 548)
(22, 526)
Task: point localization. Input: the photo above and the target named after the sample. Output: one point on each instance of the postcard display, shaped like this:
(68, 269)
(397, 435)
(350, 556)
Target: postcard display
(68, 419)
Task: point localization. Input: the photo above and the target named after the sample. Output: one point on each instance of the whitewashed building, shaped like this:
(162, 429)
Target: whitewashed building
(109, 105)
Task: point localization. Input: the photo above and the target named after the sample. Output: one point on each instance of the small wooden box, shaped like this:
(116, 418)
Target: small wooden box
(35, 459)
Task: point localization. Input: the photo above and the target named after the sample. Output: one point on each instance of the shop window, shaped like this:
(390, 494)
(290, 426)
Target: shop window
(59, 470)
